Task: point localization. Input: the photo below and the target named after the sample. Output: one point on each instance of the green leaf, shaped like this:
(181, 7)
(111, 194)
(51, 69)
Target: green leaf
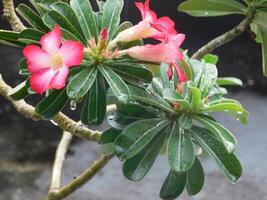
(195, 178)
(263, 33)
(119, 88)
(133, 70)
(94, 110)
(21, 91)
(181, 153)
(80, 84)
(85, 14)
(185, 121)
(164, 76)
(228, 163)
(53, 17)
(109, 136)
(111, 15)
(173, 96)
(196, 98)
(30, 36)
(138, 94)
(69, 14)
(210, 58)
(209, 8)
(137, 136)
(137, 167)
(23, 67)
(173, 185)
(10, 38)
(229, 81)
(52, 104)
(220, 132)
(31, 17)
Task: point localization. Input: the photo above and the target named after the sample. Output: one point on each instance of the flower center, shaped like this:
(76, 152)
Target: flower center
(57, 61)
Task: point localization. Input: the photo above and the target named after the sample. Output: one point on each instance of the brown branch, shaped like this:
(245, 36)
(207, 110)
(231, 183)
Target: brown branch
(58, 164)
(64, 122)
(225, 38)
(80, 180)
(10, 14)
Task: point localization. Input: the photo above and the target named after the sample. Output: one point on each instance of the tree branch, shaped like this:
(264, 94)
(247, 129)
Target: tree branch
(58, 164)
(80, 180)
(10, 14)
(225, 38)
(64, 122)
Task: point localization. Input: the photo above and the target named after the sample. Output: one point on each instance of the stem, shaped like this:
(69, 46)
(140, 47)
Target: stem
(82, 179)
(64, 122)
(10, 14)
(58, 164)
(225, 38)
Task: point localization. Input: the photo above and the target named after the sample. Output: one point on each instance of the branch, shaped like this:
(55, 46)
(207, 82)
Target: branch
(64, 122)
(80, 180)
(225, 38)
(58, 164)
(10, 14)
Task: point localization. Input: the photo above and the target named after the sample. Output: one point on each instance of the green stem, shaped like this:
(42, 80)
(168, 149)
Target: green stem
(225, 38)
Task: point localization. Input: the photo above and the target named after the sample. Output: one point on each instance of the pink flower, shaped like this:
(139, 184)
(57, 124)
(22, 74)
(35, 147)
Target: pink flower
(150, 27)
(49, 65)
(166, 52)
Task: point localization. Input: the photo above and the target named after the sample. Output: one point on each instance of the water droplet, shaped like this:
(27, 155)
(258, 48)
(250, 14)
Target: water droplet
(73, 105)
(206, 13)
(240, 113)
(123, 98)
(53, 122)
(111, 117)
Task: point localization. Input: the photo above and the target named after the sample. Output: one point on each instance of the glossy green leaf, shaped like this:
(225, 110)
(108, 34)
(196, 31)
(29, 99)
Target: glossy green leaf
(31, 17)
(21, 91)
(209, 8)
(10, 38)
(228, 163)
(52, 104)
(221, 133)
(137, 167)
(180, 149)
(68, 30)
(185, 121)
(195, 178)
(137, 136)
(133, 71)
(69, 14)
(210, 58)
(80, 84)
(196, 98)
(111, 15)
(94, 110)
(85, 14)
(263, 32)
(119, 88)
(138, 94)
(229, 81)
(109, 136)
(173, 185)
(31, 36)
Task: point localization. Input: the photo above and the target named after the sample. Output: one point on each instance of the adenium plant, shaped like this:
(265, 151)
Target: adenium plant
(165, 99)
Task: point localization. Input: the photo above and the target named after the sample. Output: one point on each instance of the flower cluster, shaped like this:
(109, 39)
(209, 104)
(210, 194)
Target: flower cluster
(49, 65)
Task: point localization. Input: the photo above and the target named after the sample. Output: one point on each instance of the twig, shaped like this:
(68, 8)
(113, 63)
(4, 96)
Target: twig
(225, 38)
(64, 122)
(82, 179)
(10, 14)
(58, 164)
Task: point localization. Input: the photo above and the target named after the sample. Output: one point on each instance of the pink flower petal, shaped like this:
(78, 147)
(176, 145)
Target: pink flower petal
(72, 53)
(51, 41)
(59, 80)
(180, 73)
(146, 13)
(37, 59)
(40, 81)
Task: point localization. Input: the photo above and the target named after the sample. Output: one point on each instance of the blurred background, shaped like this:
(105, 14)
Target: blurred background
(27, 148)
